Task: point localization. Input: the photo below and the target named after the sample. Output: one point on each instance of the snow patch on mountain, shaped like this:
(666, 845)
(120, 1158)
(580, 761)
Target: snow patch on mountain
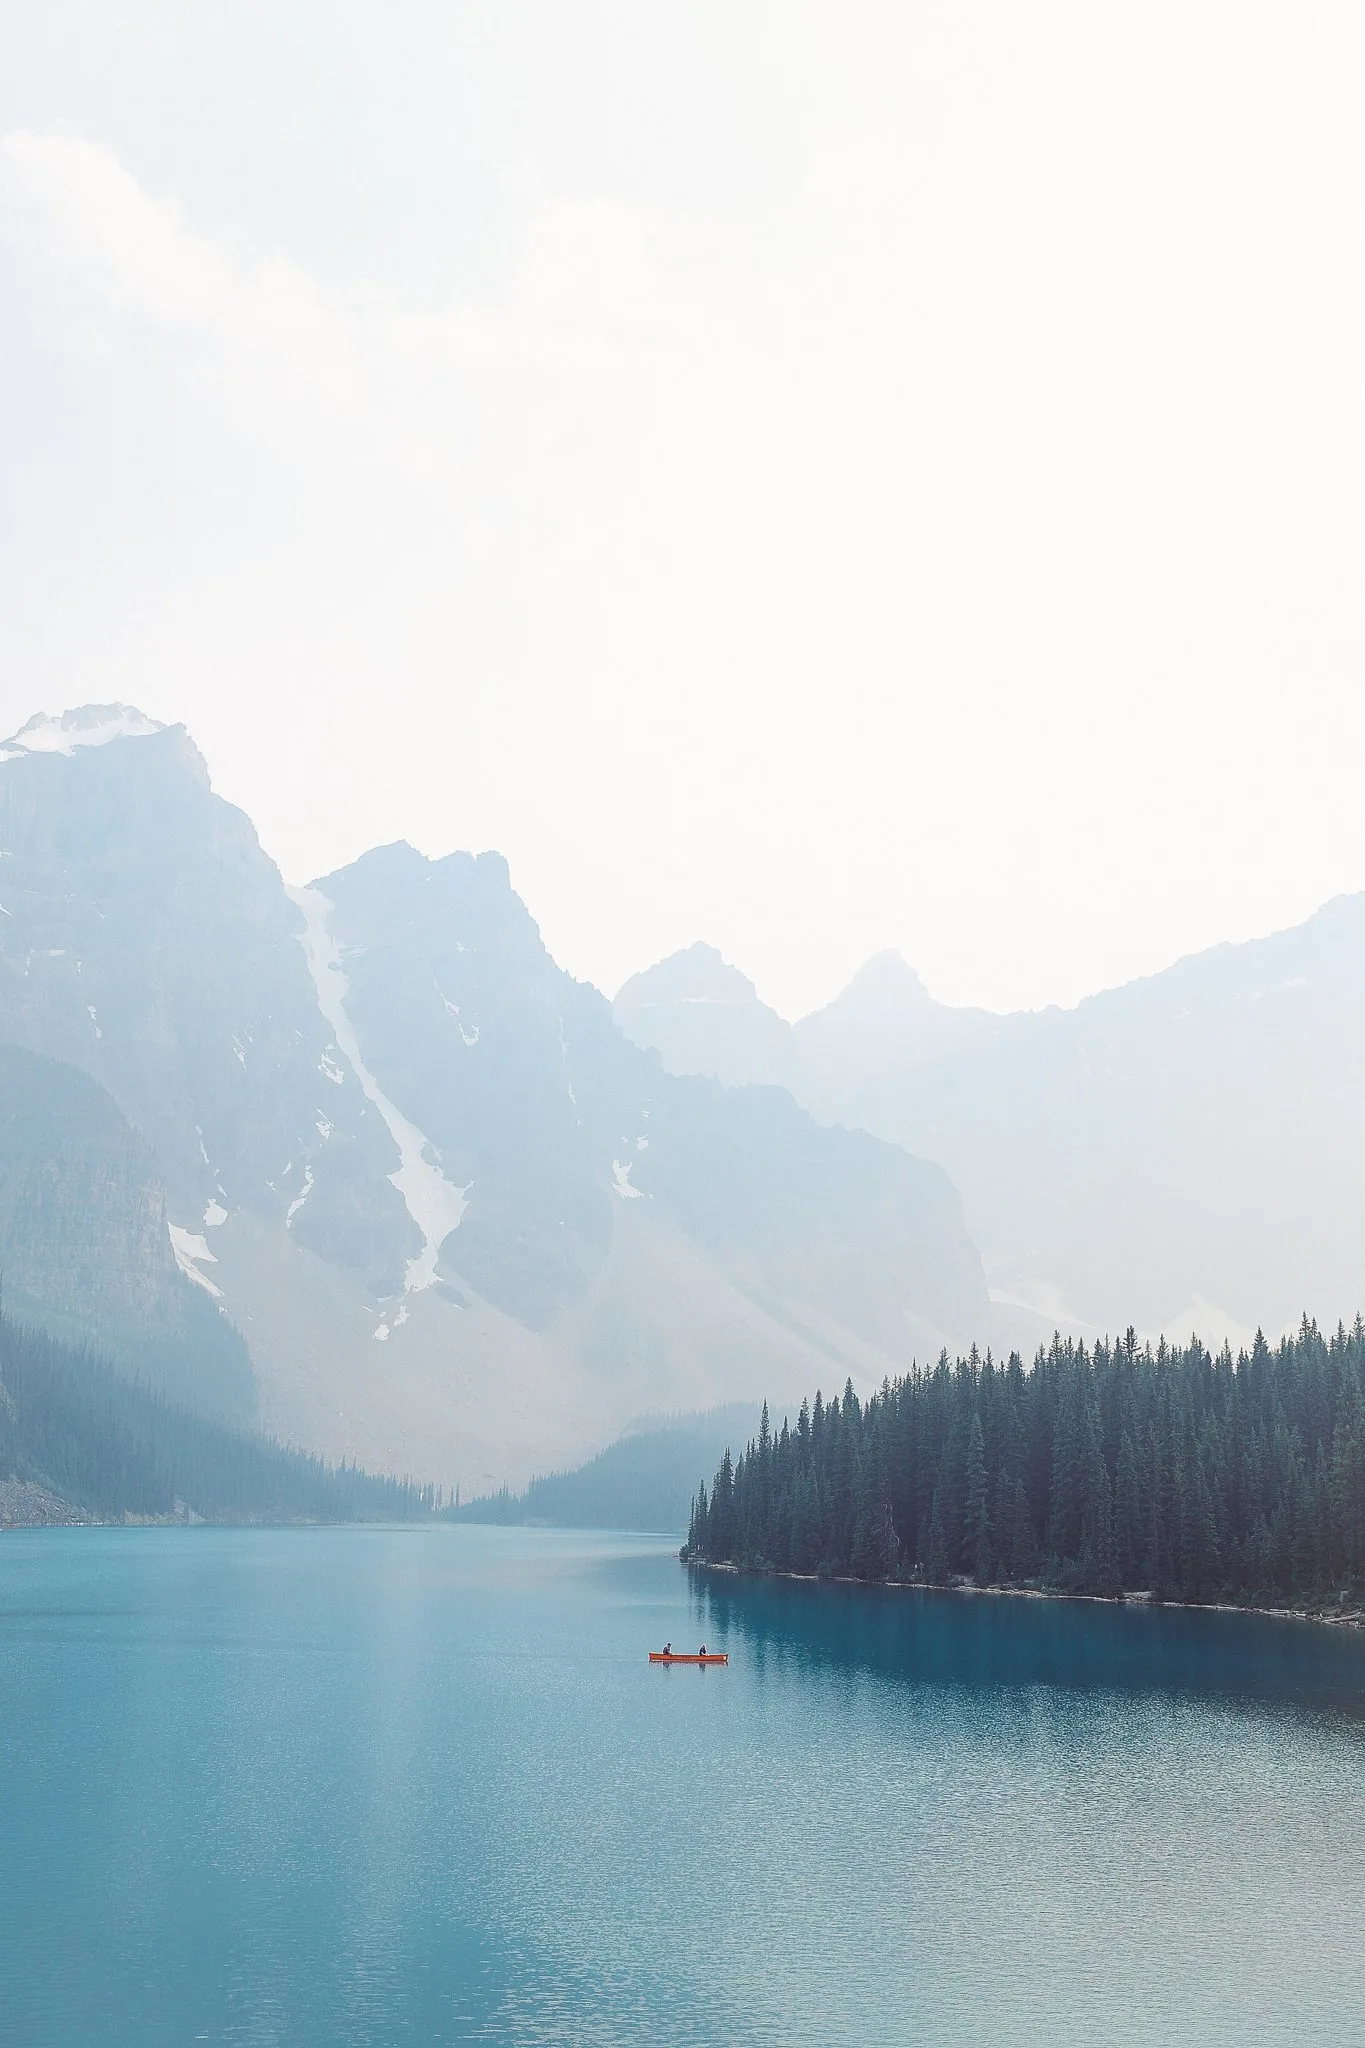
(93, 725)
(300, 1198)
(620, 1180)
(434, 1203)
(191, 1251)
(469, 1037)
(564, 1061)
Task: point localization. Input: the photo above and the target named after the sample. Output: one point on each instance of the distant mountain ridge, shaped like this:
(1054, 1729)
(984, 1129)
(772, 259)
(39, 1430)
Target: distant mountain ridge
(1185, 1148)
(704, 1017)
(647, 1479)
(464, 1227)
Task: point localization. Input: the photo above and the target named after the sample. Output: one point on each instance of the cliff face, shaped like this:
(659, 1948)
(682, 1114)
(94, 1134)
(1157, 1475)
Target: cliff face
(149, 941)
(552, 1124)
(464, 1226)
(85, 1249)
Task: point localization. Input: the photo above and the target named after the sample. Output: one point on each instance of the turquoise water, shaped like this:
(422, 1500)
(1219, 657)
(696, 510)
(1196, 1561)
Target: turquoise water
(296, 1787)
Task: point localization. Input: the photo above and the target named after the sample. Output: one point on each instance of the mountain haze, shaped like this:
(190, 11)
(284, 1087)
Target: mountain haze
(463, 1226)
(85, 1246)
(703, 1016)
(1181, 1152)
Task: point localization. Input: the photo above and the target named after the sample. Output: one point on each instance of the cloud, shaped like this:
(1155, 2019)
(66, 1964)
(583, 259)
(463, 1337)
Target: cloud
(972, 489)
(617, 328)
(140, 254)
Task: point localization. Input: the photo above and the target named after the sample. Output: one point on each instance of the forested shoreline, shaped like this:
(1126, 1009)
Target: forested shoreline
(1098, 1470)
(116, 1449)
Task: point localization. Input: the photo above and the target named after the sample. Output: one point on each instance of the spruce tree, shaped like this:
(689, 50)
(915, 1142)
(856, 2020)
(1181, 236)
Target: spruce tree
(1195, 1476)
(1129, 1547)
(936, 1548)
(976, 1541)
(1068, 1462)
(1098, 1573)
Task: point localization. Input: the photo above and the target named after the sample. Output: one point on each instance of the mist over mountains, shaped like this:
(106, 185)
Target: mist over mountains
(358, 1163)
(1182, 1153)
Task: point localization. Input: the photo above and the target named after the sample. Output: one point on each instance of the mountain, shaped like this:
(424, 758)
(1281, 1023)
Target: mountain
(463, 1225)
(1180, 1153)
(884, 1022)
(147, 940)
(79, 1440)
(85, 1246)
(647, 1479)
(703, 1016)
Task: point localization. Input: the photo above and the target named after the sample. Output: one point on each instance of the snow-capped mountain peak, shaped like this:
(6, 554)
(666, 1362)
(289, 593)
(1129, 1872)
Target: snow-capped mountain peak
(89, 725)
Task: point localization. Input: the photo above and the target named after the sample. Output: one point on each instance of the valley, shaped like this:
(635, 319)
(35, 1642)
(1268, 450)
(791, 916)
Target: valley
(404, 1192)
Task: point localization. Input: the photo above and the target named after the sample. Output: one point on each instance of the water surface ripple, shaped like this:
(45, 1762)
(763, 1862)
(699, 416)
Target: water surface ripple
(357, 1788)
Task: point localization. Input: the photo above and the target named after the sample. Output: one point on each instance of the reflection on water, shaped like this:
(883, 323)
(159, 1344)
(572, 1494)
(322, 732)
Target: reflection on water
(1001, 1641)
(370, 1787)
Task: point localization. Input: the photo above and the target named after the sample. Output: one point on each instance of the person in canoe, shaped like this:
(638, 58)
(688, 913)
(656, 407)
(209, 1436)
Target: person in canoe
(668, 1649)
(702, 1651)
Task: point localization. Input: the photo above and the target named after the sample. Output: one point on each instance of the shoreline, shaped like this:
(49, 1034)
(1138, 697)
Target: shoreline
(24, 1504)
(1350, 1617)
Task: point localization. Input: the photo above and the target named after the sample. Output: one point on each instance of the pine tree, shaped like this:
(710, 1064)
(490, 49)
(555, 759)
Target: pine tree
(722, 1516)
(1196, 1476)
(936, 1549)
(698, 1533)
(976, 1540)
(805, 1532)
(1068, 1460)
(1098, 1572)
(1348, 1482)
(887, 1544)
(1128, 1533)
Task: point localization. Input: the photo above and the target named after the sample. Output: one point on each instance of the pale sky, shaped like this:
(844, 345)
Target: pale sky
(812, 478)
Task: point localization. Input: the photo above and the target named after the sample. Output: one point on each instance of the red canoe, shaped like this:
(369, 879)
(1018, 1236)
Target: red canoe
(676, 1657)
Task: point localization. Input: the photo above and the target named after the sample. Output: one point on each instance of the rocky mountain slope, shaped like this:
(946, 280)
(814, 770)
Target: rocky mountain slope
(1182, 1152)
(703, 1016)
(85, 1247)
(465, 1227)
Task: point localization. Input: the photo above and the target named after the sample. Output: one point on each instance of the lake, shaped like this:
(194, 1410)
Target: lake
(289, 1787)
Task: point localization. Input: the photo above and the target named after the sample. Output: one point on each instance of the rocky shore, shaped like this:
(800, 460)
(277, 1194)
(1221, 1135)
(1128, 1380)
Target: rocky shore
(23, 1505)
(26, 1505)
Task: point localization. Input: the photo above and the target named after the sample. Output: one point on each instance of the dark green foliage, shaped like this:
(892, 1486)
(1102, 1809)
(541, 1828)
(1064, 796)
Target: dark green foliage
(115, 1447)
(976, 1539)
(1104, 1470)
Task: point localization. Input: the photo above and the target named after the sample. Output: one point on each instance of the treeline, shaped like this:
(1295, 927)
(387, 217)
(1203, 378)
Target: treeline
(113, 1447)
(643, 1481)
(1104, 1470)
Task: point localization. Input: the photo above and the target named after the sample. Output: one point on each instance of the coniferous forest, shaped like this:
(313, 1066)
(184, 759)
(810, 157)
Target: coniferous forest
(1106, 1470)
(113, 1447)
